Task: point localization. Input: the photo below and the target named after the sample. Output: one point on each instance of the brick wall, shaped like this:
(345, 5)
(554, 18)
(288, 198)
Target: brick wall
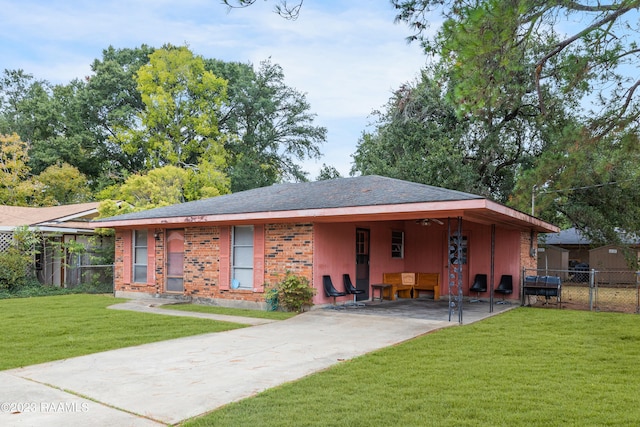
(288, 247)
(159, 249)
(201, 261)
(118, 261)
(526, 260)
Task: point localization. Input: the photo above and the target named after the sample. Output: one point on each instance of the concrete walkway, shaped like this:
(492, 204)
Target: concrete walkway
(155, 306)
(167, 382)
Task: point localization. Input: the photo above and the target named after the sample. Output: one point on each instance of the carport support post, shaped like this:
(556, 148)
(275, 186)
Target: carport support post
(493, 259)
(459, 270)
(454, 269)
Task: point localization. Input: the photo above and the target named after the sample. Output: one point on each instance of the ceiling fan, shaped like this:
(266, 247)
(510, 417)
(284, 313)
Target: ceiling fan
(429, 221)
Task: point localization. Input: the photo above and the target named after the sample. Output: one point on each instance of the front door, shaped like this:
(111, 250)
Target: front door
(362, 263)
(175, 260)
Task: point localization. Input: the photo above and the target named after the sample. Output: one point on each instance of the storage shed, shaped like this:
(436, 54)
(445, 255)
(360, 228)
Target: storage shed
(612, 263)
(554, 258)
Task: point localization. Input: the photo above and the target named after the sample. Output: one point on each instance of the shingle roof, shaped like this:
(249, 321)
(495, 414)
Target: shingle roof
(14, 216)
(573, 236)
(367, 190)
(570, 236)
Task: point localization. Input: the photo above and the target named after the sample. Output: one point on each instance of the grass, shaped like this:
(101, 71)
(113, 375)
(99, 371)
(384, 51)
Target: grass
(274, 315)
(43, 329)
(525, 367)
(621, 298)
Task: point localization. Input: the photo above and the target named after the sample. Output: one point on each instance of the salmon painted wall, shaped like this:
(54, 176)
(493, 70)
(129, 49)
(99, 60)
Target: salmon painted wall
(427, 250)
(334, 254)
(424, 248)
(506, 255)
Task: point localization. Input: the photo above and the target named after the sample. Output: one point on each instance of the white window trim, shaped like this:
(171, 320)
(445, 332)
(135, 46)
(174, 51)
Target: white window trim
(136, 262)
(233, 266)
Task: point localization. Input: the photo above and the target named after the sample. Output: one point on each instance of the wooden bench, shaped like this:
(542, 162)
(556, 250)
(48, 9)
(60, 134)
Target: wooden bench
(401, 284)
(429, 282)
(409, 285)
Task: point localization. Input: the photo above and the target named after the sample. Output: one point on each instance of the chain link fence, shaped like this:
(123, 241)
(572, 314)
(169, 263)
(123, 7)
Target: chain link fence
(595, 290)
(95, 278)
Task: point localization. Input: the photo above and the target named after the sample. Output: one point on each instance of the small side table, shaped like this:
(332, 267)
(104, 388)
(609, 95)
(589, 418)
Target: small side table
(380, 287)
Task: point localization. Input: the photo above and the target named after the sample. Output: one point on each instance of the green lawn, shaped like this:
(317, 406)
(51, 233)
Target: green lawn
(275, 315)
(42, 329)
(524, 367)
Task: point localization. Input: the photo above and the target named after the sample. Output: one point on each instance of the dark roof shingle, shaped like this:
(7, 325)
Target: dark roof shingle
(367, 190)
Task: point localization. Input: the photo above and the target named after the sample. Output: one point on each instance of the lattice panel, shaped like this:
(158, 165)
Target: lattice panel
(5, 241)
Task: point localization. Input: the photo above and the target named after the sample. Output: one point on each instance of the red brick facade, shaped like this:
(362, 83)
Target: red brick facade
(528, 249)
(287, 247)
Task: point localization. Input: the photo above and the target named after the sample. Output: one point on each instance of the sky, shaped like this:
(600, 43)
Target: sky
(346, 56)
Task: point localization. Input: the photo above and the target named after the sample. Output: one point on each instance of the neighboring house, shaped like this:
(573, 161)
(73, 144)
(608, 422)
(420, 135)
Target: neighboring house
(570, 249)
(58, 225)
(228, 249)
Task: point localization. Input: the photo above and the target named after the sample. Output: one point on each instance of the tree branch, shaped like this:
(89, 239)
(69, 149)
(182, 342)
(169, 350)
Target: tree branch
(563, 44)
(614, 121)
(587, 8)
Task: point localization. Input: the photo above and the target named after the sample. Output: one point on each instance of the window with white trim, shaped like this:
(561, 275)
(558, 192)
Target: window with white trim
(242, 257)
(140, 256)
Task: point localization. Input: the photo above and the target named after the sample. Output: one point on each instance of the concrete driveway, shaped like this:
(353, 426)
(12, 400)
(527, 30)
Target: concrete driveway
(170, 381)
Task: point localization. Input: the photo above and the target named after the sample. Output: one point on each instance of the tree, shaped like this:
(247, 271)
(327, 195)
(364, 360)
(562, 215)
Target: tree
(63, 135)
(288, 10)
(420, 137)
(14, 170)
(179, 122)
(112, 102)
(164, 186)
(588, 182)
(488, 39)
(328, 172)
(61, 184)
(16, 260)
(269, 124)
(51, 119)
(14, 87)
(520, 57)
(160, 187)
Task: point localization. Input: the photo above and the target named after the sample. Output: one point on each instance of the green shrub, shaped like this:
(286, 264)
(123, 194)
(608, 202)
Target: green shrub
(271, 298)
(14, 269)
(292, 294)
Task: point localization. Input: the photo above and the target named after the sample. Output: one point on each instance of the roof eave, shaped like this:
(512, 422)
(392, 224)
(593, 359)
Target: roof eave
(476, 210)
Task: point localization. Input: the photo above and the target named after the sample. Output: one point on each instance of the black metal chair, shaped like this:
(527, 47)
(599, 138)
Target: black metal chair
(331, 291)
(505, 287)
(479, 285)
(350, 289)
